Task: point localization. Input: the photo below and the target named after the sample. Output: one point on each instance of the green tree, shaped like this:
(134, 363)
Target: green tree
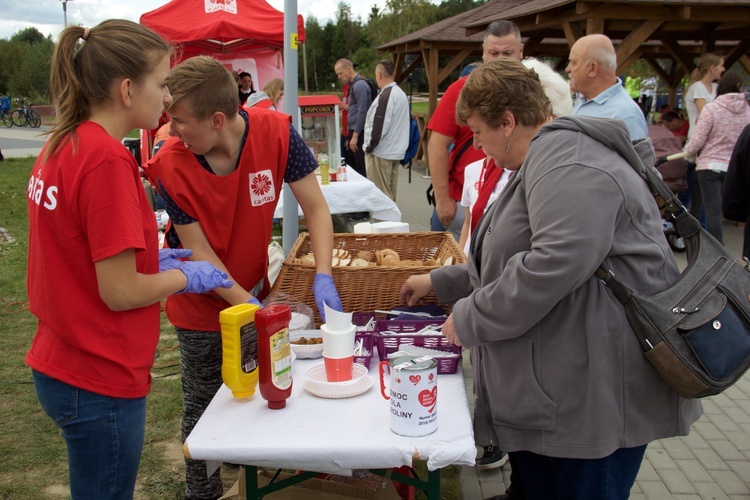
(10, 56)
(25, 63)
(31, 75)
(345, 36)
(400, 18)
(450, 8)
(28, 36)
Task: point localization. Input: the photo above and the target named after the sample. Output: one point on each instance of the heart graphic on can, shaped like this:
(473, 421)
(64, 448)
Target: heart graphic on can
(428, 399)
(415, 379)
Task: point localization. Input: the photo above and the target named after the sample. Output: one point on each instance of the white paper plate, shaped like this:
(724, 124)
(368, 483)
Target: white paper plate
(317, 384)
(312, 351)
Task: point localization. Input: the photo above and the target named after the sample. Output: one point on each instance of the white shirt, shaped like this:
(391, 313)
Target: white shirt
(395, 136)
(471, 190)
(697, 91)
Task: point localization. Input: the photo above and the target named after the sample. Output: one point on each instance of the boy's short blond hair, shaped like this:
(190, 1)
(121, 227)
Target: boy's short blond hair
(204, 86)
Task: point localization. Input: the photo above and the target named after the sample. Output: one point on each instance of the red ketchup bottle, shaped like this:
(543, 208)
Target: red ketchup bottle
(274, 354)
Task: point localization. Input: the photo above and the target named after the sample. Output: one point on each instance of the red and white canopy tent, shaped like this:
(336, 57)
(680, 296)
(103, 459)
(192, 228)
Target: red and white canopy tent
(245, 35)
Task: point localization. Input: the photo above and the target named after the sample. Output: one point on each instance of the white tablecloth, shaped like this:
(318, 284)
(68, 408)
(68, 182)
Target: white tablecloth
(330, 435)
(357, 194)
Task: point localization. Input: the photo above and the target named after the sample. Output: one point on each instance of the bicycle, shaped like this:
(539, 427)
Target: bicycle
(24, 116)
(5, 111)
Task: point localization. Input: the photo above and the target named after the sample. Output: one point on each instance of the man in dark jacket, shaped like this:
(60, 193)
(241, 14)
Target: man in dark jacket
(360, 98)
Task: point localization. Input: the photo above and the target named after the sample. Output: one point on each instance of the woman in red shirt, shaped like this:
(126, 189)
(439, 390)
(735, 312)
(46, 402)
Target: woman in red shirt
(94, 268)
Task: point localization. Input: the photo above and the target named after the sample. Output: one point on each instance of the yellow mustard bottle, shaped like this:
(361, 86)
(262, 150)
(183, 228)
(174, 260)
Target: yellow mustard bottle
(239, 346)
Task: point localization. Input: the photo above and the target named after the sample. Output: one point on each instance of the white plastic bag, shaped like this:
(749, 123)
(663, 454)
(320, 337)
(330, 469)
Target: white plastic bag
(302, 315)
(275, 260)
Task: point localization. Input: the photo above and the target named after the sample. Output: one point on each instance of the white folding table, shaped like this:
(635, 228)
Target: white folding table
(357, 194)
(330, 435)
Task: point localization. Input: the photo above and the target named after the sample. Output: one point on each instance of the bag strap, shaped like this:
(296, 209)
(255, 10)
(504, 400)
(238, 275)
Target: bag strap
(687, 225)
(620, 290)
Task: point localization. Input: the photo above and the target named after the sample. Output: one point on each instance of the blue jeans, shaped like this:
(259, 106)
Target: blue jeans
(456, 224)
(549, 478)
(104, 436)
(696, 200)
(711, 184)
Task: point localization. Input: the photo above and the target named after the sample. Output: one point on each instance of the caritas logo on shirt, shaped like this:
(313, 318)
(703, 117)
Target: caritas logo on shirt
(262, 190)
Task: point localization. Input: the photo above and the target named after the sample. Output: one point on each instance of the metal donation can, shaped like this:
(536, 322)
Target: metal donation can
(412, 391)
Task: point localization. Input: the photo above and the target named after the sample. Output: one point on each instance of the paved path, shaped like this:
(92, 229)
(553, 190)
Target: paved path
(20, 142)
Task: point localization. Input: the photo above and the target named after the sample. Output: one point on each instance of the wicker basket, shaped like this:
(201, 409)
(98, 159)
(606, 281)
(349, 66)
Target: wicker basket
(367, 288)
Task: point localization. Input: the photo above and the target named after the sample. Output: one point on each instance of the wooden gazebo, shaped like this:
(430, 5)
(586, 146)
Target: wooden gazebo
(668, 34)
(444, 38)
(665, 33)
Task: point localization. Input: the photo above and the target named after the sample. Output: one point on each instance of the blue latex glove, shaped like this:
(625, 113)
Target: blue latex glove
(169, 258)
(254, 300)
(203, 277)
(325, 293)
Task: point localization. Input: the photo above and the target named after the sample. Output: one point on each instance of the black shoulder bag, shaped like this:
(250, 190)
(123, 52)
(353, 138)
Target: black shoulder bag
(696, 333)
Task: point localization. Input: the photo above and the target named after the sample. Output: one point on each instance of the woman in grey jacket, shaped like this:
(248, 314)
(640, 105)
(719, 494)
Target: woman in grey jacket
(571, 395)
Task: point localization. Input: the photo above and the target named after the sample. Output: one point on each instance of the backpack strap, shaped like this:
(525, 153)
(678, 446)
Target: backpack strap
(461, 151)
(430, 195)
(379, 120)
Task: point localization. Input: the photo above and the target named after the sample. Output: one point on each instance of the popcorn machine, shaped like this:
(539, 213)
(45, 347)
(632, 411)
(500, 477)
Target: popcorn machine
(320, 125)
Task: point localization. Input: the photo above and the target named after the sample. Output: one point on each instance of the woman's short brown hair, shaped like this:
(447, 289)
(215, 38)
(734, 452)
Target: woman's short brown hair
(504, 85)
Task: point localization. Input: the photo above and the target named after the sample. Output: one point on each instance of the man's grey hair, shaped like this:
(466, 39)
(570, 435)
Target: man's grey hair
(501, 29)
(602, 54)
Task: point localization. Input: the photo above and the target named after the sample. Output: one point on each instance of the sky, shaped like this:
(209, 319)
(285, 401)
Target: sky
(47, 15)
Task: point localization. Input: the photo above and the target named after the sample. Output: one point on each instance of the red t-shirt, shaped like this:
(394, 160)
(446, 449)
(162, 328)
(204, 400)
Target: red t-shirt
(443, 121)
(682, 131)
(345, 113)
(235, 211)
(85, 207)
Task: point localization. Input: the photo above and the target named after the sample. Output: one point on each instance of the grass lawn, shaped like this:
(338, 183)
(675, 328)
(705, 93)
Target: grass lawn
(38, 467)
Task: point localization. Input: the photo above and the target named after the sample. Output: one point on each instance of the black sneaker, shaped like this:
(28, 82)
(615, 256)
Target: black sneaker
(358, 217)
(492, 459)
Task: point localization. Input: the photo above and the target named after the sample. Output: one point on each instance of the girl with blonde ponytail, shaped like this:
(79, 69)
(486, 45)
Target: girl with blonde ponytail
(702, 87)
(95, 275)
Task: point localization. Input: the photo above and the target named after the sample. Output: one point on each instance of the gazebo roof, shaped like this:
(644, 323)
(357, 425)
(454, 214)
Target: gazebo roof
(678, 29)
(452, 29)
(667, 34)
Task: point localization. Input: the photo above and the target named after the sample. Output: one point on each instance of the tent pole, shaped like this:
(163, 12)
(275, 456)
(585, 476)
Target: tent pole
(290, 227)
(304, 64)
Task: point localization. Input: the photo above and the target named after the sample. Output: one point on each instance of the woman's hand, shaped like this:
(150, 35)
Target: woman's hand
(416, 287)
(449, 331)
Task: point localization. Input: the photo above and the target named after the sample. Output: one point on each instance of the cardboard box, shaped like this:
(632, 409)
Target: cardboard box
(372, 487)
